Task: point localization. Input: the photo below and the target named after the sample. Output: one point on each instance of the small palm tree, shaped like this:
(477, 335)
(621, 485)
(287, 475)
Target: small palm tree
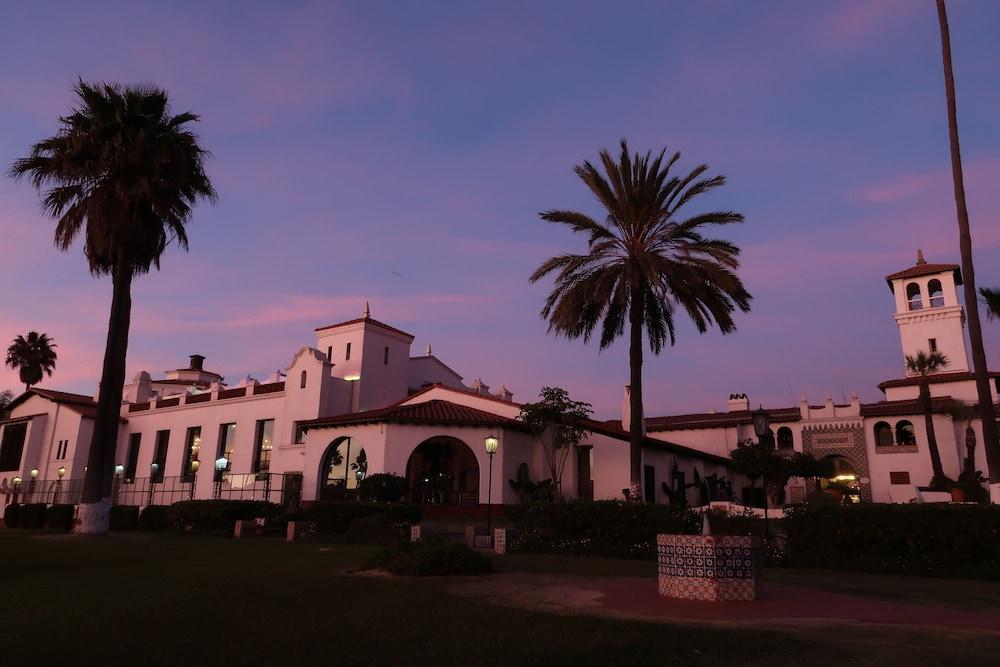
(123, 173)
(33, 357)
(991, 299)
(923, 364)
(644, 262)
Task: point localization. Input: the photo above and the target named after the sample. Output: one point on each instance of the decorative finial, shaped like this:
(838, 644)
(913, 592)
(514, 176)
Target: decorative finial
(920, 257)
(368, 311)
(429, 352)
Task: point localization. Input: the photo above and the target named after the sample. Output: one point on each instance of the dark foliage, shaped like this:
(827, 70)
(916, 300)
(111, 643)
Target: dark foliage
(125, 517)
(154, 517)
(10, 515)
(930, 540)
(383, 487)
(60, 517)
(429, 558)
(609, 528)
(336, 519)
(217, 516)
(31, 516)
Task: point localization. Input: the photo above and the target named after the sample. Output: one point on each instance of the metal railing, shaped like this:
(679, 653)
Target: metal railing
(265, 486)
(153, 490)
(937, 302)
(916, 304)
(48, 491)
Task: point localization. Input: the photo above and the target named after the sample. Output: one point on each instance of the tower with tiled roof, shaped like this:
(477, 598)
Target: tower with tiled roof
(928, 313)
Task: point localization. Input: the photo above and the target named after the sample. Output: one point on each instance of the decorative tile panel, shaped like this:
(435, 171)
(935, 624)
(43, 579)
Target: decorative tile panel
(708, 567)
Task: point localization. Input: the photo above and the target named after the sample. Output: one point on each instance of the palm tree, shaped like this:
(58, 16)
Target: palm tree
(643, 262)
(990, 443)
(123, 173)
(991, 299)
(32, 357)
(923, 364)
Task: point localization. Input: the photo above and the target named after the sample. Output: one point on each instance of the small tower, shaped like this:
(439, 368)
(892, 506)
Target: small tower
(928, 313)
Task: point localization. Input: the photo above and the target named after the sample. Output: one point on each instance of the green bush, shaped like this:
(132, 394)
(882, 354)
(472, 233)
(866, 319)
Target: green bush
(10, 516)
(60, 517)
(431, 557)
(383, 487)
(335, 519)
(31, 516)
(607, 528)
(217, 516)
(124, 517)
(930, 540)
(154, 517)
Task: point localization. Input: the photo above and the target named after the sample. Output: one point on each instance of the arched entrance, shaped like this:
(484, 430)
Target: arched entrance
(443, 470)
(334, 469)
(844, 481)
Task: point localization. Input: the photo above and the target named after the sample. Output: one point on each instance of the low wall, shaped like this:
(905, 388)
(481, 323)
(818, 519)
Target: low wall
(708, 567)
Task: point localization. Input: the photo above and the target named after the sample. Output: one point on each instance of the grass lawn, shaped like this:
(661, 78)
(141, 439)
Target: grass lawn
(143, 599)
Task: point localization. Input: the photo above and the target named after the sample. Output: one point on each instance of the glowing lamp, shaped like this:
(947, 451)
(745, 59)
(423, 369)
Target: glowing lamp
(761, 422)
(119, 469)
(34, 473)
(17, 481)
(221, 463)
(491, 442)
(195, 465)
(61, 471)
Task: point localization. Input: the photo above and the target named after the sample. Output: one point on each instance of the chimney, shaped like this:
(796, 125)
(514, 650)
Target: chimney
(197, 362)
(505, 393)
(627, 411)
(739, 402)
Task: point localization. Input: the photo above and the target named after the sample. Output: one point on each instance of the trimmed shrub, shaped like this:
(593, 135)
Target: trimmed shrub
(429, 558)
(60, 517)
(10, 516)
(335, 519)
(383, 487)
(154, 517)
(31, 516)
(607, 528)
(937, 540)
(124, 517)
(217, 516)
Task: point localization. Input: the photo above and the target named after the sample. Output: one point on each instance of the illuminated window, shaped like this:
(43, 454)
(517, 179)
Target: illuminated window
(263, 441)
(192, 448)
(227, 444)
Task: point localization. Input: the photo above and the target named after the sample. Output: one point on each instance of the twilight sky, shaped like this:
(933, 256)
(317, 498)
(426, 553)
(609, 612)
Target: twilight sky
(400, 153)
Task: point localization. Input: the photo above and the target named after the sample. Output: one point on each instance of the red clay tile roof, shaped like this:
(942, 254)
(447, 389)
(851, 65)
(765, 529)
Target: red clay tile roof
(716, 419)
(925, 270)
(957, 376)
(79, 403)
(907, 407)
(430, 412)
(469, 392)
(369, 320)
(613, 429)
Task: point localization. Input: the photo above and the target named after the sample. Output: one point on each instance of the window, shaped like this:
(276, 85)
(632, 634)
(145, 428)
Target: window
(227, 442)
(785, 439)
(347, 352)
(262, 445)
(913, 299)
(159, 457)
(192, 447)
(61, 448)
(905, 435)
(899, 477)
(329, 353)
(132, 462)
(883, 435)
(12, 445)
(300, 433)
(385, 357)
(932, 344)
(649, 483)
(302, 380)
(935, 293)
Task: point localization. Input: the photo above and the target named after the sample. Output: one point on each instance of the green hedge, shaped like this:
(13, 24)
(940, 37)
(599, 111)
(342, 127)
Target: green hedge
(154, 517)
(429, 558)
(31, 516)
(336, 519)
(607, 528)
(124, 517)
(927, 539)
(60, 517)
(217, 516)
(10, 516)
(383, 487)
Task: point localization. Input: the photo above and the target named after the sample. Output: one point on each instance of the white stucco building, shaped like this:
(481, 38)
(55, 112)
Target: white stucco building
(356, 402)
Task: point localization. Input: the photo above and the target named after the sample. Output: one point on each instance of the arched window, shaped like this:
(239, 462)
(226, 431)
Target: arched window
(935, 293)
(302, 380)
(913, 299)
(883, 435)
(905, 435)
(785, 440)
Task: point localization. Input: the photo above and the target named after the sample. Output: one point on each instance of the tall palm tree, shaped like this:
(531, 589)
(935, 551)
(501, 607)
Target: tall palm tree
(33, 357)
(643, 262)
(923, 364)
(990, 443)
(124, 173)
(991, 299)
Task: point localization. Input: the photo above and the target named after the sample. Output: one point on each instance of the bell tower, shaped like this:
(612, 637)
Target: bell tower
(928, 313)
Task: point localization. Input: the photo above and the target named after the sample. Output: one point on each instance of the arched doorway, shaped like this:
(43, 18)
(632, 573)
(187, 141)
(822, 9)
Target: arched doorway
(443, 470)
(844, 482)
(334, 469)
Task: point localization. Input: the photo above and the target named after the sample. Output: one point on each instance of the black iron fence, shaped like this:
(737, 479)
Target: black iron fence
(47, 491)
(153, 491)
(266, 486)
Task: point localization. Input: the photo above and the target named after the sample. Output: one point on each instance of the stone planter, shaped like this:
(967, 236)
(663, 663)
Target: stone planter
(708, 567)
(476, 537)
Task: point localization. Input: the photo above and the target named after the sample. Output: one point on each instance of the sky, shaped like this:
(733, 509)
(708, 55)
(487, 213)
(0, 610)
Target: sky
(399, 153)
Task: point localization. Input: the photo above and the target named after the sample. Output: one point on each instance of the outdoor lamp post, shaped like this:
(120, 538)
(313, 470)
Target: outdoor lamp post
(491, 442)
(31, 484)
(762, 428)
(17, 486)
(119, 469)
(59, 475)
(153, 467)
(221, 464)
(194, 476)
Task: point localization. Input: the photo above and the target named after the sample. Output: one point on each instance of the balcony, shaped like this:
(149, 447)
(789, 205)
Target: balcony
(937, 302)
(915, 304)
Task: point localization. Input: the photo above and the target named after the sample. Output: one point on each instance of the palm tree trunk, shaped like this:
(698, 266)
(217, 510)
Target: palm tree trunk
(635, 431)
(990, 444)
(925, 404)
(99, 479)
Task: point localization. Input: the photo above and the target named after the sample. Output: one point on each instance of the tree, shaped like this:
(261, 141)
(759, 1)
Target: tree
(33, 357)
(991, 299)
(561, 421)
(643, 263)
(923, 364)
(124, 174)
(6, 396)
(990, 442)
(759, 461)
